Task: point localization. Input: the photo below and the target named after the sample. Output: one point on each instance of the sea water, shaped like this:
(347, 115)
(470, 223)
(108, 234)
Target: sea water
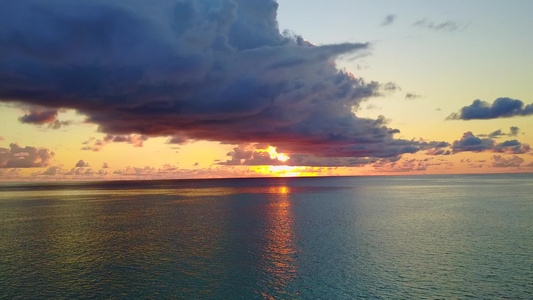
(400, 237)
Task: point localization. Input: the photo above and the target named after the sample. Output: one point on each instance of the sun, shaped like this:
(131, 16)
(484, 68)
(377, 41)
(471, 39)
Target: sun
(272, 151)
(285, 171)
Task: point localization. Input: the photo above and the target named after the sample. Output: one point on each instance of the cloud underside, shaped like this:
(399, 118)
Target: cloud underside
(204, 70)
(500, 108)
(349, 155)
(257, 154)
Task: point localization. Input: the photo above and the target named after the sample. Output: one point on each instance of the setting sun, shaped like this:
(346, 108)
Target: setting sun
(285, 171)
(274, 154)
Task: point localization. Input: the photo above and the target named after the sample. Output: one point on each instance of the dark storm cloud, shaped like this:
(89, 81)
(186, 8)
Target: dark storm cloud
(24, 157)
(389, 19)
(209, 70)
(500, 108)
(444, 26)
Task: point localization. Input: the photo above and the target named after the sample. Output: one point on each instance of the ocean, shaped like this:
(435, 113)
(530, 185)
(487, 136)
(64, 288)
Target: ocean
(390, 237)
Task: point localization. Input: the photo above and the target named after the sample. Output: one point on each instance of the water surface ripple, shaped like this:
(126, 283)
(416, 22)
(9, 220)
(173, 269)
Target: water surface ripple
(418, 237)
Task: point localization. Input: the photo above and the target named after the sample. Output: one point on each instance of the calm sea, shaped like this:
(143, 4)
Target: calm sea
(404, 237)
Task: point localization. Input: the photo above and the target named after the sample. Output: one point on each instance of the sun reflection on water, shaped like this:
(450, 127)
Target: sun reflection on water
(278, 254)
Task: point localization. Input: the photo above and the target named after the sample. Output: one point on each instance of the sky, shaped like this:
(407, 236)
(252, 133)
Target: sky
(99, 90)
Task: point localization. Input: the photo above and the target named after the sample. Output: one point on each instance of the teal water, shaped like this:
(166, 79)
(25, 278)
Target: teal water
(417, 237)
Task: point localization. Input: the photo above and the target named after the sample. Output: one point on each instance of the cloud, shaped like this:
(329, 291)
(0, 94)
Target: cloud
(132, 172)
(57, 173)
(513, 131)
(444, 26)
(251, 155)
(495, 134)
(52, 171)
(500, 108)
(512, 147)
(28, 157)
(39, 117)
(81, 164)
(438, 151)
(215, 70)
(177, 139)
(87, 142)
(435, 148)
(134, 139)
(169, 171)
(105, 165)
(79, 172)
(390, 87)
(372, 106)
(10, 174)
(502, 162)
(401, 166)
(261, 154)
(412, 96)
(469, 142)
(135, 171)
(389, 19)
(59, 124)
